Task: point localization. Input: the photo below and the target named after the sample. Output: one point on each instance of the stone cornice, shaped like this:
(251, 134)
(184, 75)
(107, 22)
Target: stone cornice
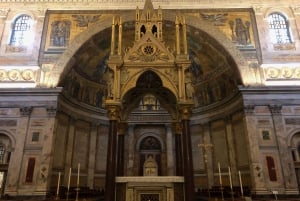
(131, 4)
(29, 97)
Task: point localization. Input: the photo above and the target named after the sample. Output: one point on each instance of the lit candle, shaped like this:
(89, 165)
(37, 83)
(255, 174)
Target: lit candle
(230, 182)
(69, 180)
(78, 174)
(58, 183)
(220, 177)
(241, 184)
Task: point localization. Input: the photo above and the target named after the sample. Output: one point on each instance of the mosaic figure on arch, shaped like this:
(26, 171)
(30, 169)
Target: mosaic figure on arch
(241, 31)
(60, 33)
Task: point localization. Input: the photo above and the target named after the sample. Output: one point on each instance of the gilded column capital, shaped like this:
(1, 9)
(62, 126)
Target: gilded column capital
(113, 112)
(185, 112)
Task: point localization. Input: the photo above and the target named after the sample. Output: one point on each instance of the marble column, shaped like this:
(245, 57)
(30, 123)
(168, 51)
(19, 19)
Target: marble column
(120, 159)
(170, 156)
(231, 151)
(178, 149)
(92, 156)
(286, 161)
(131, 149)
(188, 170)
(110, 182)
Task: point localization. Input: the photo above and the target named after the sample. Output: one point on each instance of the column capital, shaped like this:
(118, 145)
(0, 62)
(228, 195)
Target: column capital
(26, 111)
(113, 112)
(185, 112)
(51, 111)
(249, 109)
(275, 109)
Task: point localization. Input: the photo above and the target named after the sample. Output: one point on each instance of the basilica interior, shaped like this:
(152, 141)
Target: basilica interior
(149, 100)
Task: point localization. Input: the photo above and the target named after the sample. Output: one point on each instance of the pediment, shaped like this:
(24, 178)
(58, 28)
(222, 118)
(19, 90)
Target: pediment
(149, 49)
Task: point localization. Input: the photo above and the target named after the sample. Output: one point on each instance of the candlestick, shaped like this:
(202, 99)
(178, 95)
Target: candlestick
(230, 181)
(78, 174)
(69, 180)
(220, 177)
(241, 184)
(58, 183)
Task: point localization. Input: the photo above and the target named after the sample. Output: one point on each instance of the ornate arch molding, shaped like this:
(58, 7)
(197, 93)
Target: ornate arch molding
(150, 134)
(65, 62)
(131, 83)
(291, 135)
(287, 12)
(11, 138)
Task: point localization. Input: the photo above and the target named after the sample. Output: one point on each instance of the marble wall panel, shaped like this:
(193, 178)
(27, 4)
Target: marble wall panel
(240, 144)
(81, 148)
(101, 148)
(220, 148)
(60, 145)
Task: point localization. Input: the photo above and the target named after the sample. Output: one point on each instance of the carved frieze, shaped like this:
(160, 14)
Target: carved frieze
(17, 75)
(282, 73)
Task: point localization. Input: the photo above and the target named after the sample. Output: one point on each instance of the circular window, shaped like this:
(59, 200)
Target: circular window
(148, 50)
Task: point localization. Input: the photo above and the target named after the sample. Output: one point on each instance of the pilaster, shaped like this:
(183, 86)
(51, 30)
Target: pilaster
(92, 156)
(14, 177)
(46, 155)
(289, 176)
(257, 180)
(69, 150)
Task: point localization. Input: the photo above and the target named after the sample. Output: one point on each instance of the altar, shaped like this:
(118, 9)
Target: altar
(150, 188)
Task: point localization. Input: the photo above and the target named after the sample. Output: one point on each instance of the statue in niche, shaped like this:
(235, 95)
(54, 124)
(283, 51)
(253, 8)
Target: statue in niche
(98, 98)
(109, 78)
(150, 167)
(189, 89)
(60, 33)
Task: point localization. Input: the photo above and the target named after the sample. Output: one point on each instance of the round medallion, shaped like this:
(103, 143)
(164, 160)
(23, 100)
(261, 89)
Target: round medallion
(2, 75)
(27, 75)
(13, 74)
(148, 50)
